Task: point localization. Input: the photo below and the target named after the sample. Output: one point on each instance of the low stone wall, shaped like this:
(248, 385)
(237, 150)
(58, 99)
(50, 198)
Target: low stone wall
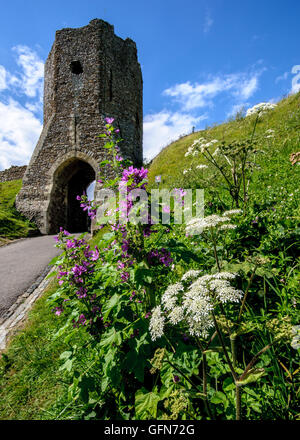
(12, 173)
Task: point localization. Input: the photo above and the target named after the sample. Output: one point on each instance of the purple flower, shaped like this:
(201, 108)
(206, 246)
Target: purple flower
(162, 256)
(132, 296)
(134, 176)
(109, 120)
(125, 276)
(70, 244)
(125, 245)
(176, 379)
(95, 254)
(81, 293)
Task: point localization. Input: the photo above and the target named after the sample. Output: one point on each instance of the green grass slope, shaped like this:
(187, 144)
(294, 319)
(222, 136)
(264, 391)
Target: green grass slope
(274, 164)
(12, 223)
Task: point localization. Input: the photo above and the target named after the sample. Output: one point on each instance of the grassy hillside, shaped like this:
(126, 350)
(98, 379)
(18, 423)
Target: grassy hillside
(31, 384)
(284, 120)
(12, 223)
(52, 370)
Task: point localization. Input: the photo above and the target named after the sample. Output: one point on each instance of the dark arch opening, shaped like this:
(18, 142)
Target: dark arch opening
(76, 67)
(70, 180)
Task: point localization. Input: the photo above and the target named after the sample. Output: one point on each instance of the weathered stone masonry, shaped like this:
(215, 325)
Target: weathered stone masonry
(90, 73)
(12, 173)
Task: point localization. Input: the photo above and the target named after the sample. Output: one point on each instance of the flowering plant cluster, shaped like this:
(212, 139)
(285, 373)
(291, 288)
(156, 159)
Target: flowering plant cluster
(193, 303)
(162, 315)
(232, 163)
(260, 109)
(74, 276)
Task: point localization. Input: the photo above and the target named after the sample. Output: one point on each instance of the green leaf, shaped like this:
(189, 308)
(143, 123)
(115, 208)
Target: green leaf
(56, 260)
(142, 276)
(146, 403)
(110, 304)
(86, 385)
(104, 162)
(228, 384)
(66, 355)
(252, 376)
(108, 235)
(67, 365)
(219, 397)
(136, 364)
(111, 337)
(51, 274)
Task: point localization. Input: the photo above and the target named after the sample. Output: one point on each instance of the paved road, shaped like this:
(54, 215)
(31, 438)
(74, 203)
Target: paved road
(21, 263)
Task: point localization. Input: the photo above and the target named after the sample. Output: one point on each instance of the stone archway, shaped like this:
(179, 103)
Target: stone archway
(70, 179)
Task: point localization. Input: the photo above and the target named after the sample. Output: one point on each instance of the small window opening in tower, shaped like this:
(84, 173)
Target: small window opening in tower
(110, 86)
(76, 67)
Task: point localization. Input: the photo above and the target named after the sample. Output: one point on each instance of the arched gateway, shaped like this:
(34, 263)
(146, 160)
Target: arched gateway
(90, 74)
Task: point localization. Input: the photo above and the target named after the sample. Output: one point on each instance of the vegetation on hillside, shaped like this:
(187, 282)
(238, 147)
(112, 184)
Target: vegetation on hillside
(172, 321)
(12, 223)
(277, 133)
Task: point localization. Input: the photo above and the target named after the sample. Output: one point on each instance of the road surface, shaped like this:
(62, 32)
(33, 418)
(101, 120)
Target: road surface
(21, 264)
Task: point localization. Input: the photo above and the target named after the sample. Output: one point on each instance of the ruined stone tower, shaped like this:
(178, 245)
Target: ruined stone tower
(90, 74)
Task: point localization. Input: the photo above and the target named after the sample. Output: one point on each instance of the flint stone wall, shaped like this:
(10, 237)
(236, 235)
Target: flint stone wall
(90, 74)
(12, 173)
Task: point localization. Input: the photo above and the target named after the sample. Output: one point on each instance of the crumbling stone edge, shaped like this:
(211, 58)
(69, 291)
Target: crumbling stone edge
(17, 313)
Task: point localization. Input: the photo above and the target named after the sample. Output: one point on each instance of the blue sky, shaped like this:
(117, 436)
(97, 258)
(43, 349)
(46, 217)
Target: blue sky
(201, 61)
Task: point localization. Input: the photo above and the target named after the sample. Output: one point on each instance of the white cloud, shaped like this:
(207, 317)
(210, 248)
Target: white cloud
(192, 96)
(248, 87)
(164, 127)
(31, 78)
(19, 132)
(20, 124)
(3, 83)
(282, 77)
(208, 22)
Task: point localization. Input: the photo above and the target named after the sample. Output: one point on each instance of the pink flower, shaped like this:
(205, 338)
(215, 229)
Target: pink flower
(109, 120)
(58, 310)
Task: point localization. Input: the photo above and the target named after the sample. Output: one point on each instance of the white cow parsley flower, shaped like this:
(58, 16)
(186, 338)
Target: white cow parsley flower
(196, 225)
(232, 212)
(176, 315)
(157, 323)
(169, 298)
(224, 291)
(228, 226)
(260, 109)
(190, 275)
(200, 328)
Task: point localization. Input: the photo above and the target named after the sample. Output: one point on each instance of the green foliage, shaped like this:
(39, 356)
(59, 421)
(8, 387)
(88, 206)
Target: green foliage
(12, 223)
(246, 367)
